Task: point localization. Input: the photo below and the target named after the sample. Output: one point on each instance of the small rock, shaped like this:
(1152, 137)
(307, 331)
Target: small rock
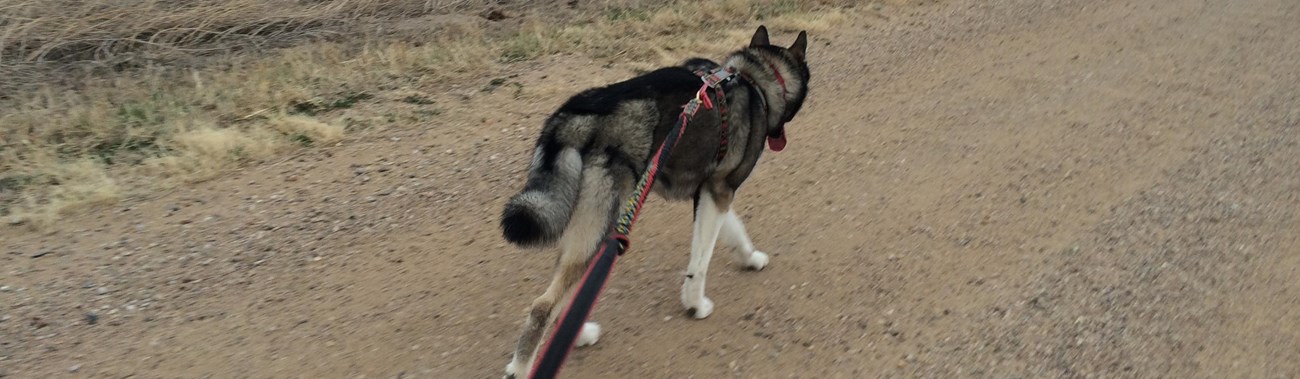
(101, 290)
(75, 368)
(92, 318)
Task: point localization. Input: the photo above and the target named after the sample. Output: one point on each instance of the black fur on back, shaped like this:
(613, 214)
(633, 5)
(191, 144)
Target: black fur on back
(659, 84)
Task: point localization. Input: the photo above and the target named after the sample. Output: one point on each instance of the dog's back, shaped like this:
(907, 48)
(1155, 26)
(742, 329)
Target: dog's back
(614, 127)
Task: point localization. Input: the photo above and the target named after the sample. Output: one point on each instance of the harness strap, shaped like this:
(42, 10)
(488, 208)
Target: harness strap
(714, 81)
(762, 97)
(725, 117)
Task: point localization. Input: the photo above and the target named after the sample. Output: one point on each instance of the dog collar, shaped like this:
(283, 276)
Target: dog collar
(777, 143)
(779, 80)
(774, 143)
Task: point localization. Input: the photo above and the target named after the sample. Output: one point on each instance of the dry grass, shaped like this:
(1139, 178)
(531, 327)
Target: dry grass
(67, 145)
(38, 30)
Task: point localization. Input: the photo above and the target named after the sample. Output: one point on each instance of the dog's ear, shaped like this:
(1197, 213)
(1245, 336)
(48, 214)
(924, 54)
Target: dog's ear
(760, 37)
(800, 46)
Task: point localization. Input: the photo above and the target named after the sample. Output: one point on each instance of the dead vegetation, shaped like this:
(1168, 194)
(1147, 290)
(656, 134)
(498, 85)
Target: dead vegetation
(62, 30)
(104, 99)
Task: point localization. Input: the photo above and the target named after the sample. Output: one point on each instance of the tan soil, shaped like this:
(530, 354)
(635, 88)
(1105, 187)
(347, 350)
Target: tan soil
(976, 189)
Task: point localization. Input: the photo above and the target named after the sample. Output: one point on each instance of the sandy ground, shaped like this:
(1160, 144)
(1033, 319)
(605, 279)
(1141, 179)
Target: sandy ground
(1009, 189)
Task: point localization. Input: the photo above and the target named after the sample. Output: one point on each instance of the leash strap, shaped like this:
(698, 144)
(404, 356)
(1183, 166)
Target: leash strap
(616, 243)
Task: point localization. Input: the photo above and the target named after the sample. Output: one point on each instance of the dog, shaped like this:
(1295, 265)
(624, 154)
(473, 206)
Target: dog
(592, 151)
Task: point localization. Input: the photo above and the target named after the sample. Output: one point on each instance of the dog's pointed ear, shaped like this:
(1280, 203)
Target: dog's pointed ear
(800, 46)
(760, 37)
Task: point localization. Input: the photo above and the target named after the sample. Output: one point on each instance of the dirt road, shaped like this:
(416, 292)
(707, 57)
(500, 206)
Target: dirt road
(976, 189)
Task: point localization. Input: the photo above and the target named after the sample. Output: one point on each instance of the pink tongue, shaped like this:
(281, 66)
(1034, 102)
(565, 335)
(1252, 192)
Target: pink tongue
(776, 144)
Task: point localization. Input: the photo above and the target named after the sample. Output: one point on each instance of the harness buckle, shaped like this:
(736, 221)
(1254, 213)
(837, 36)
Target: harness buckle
(692, 106)
(715, 77)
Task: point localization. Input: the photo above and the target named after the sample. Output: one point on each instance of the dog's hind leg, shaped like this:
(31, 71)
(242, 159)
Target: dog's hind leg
(709, 209)
(539, 319)
(733, 232)
(590, 221)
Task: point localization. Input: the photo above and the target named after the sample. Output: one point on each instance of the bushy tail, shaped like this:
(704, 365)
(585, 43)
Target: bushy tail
(538, 215)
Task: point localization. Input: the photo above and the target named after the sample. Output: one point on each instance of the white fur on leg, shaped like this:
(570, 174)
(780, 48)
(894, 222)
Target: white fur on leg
(702, 309)
(757, 261)
(734, 232)
(512, 369)
(589, 335)
(708, 222)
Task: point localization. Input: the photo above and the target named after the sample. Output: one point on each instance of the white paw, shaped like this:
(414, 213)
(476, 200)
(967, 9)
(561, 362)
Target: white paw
(701, 308)
(511, 370)
(589, 335)
(757, 261)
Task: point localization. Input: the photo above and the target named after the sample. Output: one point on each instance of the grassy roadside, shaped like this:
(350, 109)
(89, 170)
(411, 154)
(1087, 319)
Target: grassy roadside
(127, 131)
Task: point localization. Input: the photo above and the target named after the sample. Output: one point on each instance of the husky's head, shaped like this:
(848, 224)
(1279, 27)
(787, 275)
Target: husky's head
(781, 73)
(793, 59)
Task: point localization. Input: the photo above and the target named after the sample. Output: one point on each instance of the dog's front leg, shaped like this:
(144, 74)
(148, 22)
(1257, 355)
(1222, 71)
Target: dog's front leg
(733, 231)
(708, 222)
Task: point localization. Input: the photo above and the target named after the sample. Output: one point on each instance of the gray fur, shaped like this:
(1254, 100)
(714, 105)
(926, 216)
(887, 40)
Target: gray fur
(547, 202)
